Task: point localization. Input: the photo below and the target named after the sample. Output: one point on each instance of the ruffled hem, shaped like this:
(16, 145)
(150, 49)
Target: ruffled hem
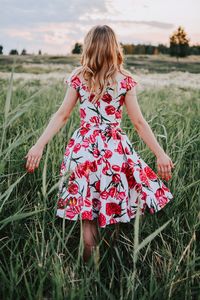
(103, 223)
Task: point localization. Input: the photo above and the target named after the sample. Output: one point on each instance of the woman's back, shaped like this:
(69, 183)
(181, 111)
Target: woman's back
(108, 109)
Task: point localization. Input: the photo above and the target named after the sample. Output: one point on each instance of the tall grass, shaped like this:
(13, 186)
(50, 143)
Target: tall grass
(155, 256)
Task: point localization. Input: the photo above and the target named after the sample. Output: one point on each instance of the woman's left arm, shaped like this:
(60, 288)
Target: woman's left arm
(164, 162)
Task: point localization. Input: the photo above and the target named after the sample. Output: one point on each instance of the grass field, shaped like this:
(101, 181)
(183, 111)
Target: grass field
(156, 257)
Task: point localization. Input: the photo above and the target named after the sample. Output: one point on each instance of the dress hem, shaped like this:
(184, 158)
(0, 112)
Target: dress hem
(143, 214)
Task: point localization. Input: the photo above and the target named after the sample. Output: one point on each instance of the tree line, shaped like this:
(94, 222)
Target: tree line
(179, 46)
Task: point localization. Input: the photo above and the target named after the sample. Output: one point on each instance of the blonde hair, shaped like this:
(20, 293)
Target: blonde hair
(102, 57)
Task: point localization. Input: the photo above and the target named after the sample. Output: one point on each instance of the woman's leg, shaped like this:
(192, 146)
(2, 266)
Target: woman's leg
(90, 237)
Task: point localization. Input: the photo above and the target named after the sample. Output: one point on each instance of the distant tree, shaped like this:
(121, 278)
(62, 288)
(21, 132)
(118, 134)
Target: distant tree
(179, 43)
(24, 52)
(40, 52)
(77, 48)
(13, 52)
(163, 49)
(1, 49)
(149, 49)
(128, 48)
(195, 50)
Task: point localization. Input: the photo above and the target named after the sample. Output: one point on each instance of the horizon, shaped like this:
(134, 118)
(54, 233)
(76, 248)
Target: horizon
(58, 26)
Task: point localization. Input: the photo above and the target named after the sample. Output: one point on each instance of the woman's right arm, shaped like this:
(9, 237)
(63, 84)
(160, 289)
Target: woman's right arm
(164, 162)
(56, 122)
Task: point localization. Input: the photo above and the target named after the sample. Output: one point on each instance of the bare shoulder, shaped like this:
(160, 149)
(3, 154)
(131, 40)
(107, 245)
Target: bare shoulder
(124, 73)
(77, 71)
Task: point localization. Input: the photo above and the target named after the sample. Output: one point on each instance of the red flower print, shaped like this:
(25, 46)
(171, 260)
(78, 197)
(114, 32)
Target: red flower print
(75, 81)
(88, 192)
(113, 221)
(121, 100)
(113, 208)
(138, 187)
(130, 162)
(80, 201)
(95, 120)
(70, 214)
(162, 201)
(116, 168)
(112, 191)
(77, 147)
(127, 151)
(131, 182)
(108, 154)
(130, 83)
(123, 83)
(129, 171)
(107, 98)
(129, 213)
(96, 132)
(93, 166)
(71, 201)
(101, 220)
(144, 178)
(86, 215)
(82, 113)
(91, 97)
(116, 178)
(85, 88)
(73, 188)
(67, 151)
(124, 167)
(121, 195)
(72, 176)
(110, 109)
(119, 148)
(161, 198)
(96, 203)
(71, 142)
(118, 114)
(97, 186)
(159, 193)
(96, 152)
(144, 196)
(88, 202)
(150, 173)
(83, 131)
(92, 139)
(85, 143)
(104, 195)
(82, 169)
(60, 203)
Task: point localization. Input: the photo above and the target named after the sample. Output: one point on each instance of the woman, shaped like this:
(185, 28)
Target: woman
(108, 180)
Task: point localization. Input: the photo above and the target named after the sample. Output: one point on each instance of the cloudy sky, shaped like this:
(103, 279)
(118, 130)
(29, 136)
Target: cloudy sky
(54, 26)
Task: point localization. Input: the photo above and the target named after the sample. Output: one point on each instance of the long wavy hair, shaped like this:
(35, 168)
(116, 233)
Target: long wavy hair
(101, 58)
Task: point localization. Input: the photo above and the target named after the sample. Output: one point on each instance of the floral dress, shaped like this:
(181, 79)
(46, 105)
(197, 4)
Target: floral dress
(101, 174)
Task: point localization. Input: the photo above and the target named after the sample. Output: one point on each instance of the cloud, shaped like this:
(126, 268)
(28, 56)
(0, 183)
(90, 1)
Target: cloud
(30, 12)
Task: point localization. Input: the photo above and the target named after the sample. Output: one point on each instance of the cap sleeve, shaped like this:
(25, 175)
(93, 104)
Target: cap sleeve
(73, 80)
(130, 82)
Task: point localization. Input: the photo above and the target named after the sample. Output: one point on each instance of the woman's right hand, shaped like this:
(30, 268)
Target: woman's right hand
(33, 157)
(164, 166)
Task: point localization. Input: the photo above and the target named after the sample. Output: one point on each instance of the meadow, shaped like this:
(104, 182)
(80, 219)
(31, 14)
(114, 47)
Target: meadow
(154, 257)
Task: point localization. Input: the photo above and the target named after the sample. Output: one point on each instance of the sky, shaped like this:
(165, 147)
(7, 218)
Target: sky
(55, 26)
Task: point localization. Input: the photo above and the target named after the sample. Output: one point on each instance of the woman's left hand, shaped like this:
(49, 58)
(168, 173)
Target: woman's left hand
(164, 166)
(33, 157)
